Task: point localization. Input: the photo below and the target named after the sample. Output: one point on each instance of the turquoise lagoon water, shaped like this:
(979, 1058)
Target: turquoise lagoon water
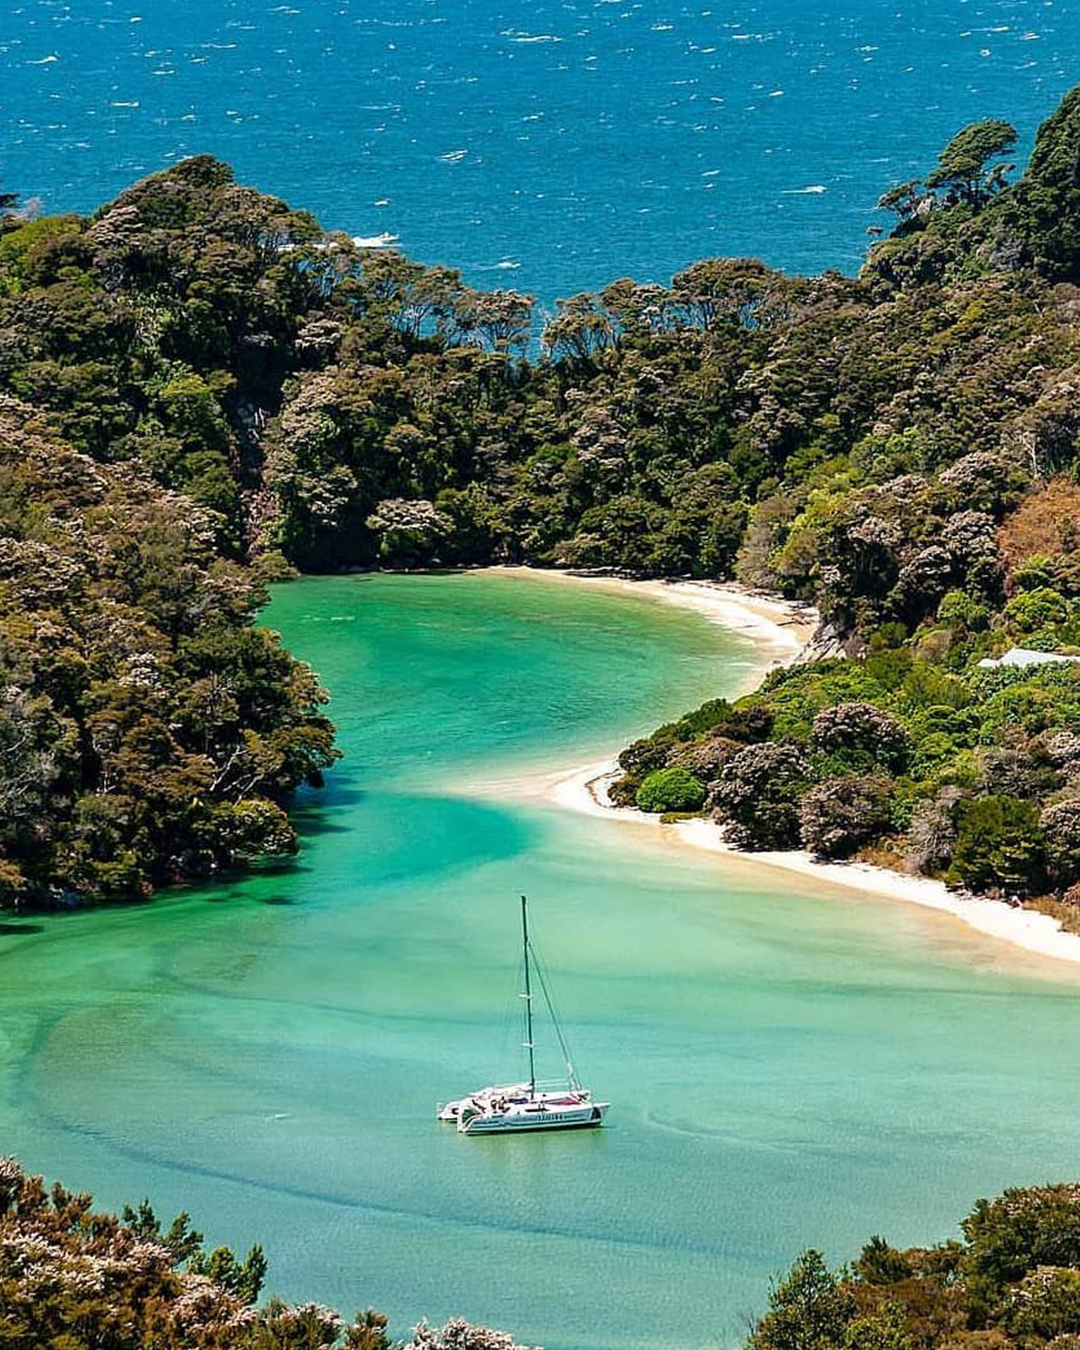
(553, 146)
(788, 1064)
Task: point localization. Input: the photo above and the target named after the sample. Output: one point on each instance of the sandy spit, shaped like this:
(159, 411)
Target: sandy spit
(780, 631)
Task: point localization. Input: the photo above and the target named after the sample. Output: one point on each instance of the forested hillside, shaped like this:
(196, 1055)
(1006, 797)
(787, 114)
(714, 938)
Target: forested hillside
(899, 447)
(148, 732)
(944, 535)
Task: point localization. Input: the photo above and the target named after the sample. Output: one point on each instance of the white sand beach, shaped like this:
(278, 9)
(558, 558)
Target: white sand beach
(585, 790)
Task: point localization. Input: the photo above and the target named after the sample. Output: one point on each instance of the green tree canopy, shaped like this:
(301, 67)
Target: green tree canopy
(673, 789)
(963, 166)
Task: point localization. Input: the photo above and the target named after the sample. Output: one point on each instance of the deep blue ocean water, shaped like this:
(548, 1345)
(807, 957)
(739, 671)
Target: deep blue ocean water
(551, 145)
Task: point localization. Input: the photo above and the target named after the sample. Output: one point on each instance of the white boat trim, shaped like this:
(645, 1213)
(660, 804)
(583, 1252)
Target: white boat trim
(524, 1120)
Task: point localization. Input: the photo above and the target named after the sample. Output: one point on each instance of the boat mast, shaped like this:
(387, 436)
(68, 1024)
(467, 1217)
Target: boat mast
(527, 996)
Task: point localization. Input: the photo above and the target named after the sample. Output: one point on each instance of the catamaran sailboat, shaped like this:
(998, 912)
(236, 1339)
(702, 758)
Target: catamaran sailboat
(512, 1108)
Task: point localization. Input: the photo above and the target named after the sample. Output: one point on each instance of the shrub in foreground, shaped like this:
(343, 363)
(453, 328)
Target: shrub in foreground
(75, 1279)
(999, 846)
(1013, 1282)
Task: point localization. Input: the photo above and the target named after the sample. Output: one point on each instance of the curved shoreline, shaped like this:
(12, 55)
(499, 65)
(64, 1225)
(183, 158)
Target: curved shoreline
(781, 632)
(585, 791)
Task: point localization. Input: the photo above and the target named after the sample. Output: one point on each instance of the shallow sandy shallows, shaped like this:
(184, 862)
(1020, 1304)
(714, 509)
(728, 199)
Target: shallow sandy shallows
(779, 629)
(780, 632)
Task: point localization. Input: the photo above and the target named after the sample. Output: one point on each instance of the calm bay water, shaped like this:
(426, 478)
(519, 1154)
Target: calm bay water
(785, 1068)
(553, 146)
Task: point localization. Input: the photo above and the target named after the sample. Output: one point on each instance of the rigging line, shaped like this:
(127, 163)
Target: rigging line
(540, 969)
(510, 1029)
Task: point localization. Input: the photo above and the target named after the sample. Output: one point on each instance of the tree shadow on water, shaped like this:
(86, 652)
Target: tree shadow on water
(325, 812)
(238, 885)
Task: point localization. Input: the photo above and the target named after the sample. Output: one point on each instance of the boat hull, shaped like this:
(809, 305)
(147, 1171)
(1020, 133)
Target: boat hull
(588, 1117)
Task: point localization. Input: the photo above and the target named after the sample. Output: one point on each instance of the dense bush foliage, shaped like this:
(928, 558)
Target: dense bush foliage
(758, 795)
(1014, 1281)
(899, 448)
(674, 789)
(941, 766)
(839, 815)
(72, 1278)
(854, 439)
(147, 731)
